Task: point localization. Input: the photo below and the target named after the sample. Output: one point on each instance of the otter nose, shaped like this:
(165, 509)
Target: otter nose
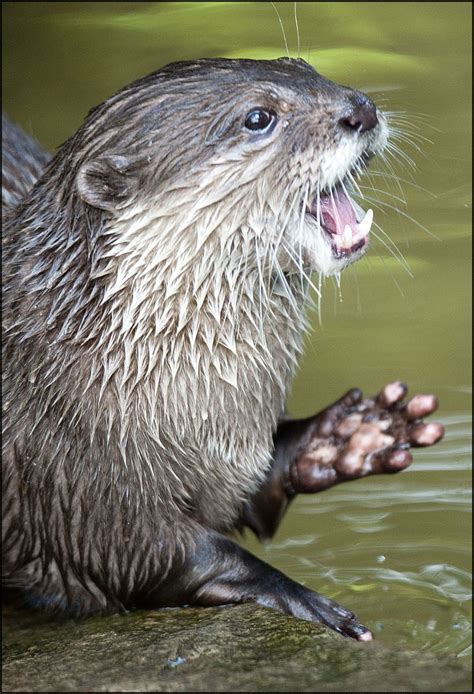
(361, 116)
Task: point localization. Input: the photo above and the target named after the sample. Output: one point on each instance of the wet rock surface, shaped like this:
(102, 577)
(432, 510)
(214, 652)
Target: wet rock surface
(239, 648)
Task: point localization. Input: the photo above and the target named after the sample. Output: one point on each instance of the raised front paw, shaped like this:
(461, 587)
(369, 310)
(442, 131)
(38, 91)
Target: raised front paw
(355, 437)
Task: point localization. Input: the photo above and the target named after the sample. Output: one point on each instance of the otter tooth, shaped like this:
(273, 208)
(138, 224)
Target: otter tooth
(366, 224)
(347, 236)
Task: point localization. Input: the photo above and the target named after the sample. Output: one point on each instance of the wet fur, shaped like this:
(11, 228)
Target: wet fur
(146, 356)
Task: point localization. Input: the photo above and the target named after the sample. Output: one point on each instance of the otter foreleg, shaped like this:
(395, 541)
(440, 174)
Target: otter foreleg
(352, 438)
(218, 571)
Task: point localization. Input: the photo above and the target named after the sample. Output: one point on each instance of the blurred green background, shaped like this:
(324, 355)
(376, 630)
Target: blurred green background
(397, 549)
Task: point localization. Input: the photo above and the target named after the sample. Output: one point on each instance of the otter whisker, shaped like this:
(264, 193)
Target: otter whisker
(354, 182)
(393, 249)
(402, 213)
(277, 242)
(297, 28)
(300, 231)
(282, 28)
(367, 174)
(384, 192)
(405, 139)
(262, 289)
(307, 277)
(399, 154)
(387, 268)
(411, 138)
(279, 227)
(284, 283)
(391, 177)
(273, 268)
(408, 118)
(383, 159)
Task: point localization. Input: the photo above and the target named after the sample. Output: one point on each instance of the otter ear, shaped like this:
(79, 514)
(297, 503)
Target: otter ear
(107, 182)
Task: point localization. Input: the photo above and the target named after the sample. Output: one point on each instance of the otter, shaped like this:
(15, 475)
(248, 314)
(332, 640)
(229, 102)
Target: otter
(155, 286)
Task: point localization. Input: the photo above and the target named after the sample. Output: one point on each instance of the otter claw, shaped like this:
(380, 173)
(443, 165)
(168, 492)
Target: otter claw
(421, 406)
(352, 397)
(366, 636)
(426, 434)
(392, 393)
(398, 460)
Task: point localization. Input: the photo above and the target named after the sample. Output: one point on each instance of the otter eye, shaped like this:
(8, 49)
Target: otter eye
(259, 119)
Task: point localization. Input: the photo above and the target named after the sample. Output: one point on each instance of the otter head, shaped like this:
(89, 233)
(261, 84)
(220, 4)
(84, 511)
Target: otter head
(219, 157)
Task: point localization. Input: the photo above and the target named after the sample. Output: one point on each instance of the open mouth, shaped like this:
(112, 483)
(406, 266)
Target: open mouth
(345, 223)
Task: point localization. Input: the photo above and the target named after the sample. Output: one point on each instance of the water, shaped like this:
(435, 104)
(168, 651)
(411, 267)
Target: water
(395, 549)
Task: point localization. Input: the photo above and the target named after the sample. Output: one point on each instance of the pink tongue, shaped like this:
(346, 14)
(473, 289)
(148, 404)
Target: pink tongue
(336, 211)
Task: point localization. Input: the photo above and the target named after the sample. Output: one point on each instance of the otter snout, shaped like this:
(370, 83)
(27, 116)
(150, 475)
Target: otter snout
(360, 116)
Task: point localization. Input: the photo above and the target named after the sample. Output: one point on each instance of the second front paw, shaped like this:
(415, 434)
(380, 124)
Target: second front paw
(356, 437)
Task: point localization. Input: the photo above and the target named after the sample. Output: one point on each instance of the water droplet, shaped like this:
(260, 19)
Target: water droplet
(173, 662)
(338, 285)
